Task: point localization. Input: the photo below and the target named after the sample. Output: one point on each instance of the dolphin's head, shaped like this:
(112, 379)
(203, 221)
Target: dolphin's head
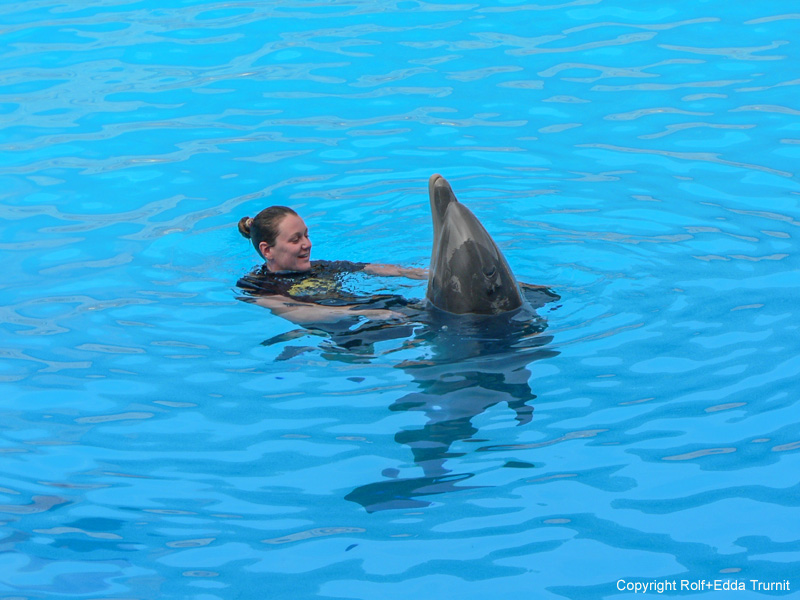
(468, 273)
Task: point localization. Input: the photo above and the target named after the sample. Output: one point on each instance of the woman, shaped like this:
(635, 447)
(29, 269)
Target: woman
(299, 289)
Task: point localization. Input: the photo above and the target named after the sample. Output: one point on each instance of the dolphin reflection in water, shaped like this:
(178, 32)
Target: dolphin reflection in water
(481, 331)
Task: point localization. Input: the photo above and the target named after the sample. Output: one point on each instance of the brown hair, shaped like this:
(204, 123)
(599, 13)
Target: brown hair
(264, 227)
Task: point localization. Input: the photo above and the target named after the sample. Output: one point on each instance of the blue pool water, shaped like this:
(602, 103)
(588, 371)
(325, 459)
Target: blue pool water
(162, 439)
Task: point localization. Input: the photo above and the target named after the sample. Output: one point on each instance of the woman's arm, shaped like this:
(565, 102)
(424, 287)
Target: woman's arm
(305, 312)
(395, 271)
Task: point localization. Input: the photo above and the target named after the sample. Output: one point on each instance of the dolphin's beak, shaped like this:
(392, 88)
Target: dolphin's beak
(441, 196)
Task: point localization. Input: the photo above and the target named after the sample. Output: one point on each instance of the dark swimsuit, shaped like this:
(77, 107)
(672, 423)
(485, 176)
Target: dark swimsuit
(323, 283)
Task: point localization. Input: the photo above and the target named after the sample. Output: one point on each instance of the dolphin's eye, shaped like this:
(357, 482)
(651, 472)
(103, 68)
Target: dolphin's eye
(490, 272)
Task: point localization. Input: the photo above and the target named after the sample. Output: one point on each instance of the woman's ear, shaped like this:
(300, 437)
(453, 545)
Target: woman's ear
(265, 250)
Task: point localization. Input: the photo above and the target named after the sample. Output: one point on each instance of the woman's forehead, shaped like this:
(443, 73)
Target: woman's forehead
(292, 224)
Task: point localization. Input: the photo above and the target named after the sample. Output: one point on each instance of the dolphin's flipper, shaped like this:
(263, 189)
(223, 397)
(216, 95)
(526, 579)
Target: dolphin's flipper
(537, 295)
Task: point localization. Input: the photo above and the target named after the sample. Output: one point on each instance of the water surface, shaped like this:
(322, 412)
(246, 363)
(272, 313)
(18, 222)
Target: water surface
(162, 439)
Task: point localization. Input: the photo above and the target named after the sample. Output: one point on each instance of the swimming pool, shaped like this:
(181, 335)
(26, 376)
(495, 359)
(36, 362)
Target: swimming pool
(162, 439)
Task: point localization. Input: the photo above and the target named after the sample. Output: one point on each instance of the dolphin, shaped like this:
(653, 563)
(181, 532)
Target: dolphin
(468, 273)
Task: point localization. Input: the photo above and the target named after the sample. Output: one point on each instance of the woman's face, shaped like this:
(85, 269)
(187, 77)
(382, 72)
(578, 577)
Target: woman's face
(292, 249)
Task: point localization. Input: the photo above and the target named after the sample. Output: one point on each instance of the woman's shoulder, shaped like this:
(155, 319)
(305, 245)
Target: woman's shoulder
(263, 281)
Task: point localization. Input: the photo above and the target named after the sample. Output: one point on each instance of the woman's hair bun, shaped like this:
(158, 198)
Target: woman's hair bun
(244, 226)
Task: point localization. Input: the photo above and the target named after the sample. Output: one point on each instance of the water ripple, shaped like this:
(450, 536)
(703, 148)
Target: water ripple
(690, 156)
(734, 53)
